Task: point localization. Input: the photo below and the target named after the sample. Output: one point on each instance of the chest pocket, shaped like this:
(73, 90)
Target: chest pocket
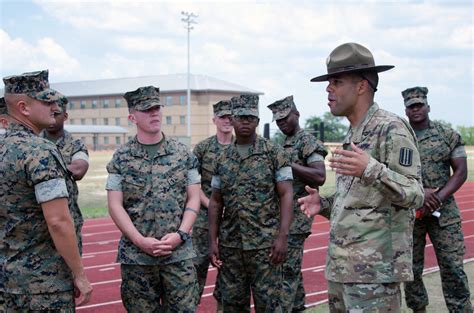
(133, 187)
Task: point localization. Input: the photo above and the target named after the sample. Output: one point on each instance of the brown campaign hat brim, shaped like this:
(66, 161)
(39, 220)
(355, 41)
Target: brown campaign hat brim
(377, 68)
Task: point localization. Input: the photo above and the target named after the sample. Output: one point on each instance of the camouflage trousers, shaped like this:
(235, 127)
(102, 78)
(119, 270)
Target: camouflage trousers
(201, 261)
(159, 288)
(245, 272)
(364, 298)
(448, 244)
(59, 302)
(293, 294)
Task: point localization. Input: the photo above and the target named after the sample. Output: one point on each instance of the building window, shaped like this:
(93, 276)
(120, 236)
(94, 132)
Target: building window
(71, 121)
(182, 119)
(182, 100)
(118, 103)
(106, 121)
(94, 121)
(83, 121)
(117, 140)
(117, 121)
(105, 104)
(83, 104)
(168, 120)
(169, 100)
(106, 140)
(94, 104)
(71, 105)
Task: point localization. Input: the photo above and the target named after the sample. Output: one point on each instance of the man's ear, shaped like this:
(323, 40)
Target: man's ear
(23, 107)
(66, 116)
(131, 118)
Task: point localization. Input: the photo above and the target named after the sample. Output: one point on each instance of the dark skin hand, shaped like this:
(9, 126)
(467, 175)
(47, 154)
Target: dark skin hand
(279, 248)
(215, 209)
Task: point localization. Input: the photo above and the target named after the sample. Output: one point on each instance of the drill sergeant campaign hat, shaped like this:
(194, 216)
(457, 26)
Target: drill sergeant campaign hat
(348, 58)
(3, 106)
(245, 105)
(143, 98)
(415, 95)
(33, 84)
(282, 108)
(222, 108)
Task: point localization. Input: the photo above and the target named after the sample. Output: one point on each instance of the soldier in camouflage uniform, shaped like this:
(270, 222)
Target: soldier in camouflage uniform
(307, 164)
(206, 152)
(378, 185)
(441, 149)
(248, 241)
(76, 156)
(40, 263)
(153, 197)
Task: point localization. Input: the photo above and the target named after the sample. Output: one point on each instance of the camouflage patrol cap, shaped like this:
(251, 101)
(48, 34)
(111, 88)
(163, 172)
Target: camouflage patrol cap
(33, 84)
(222, 108)
(62, 104)
(415, 95)
(245, 105)
(3, 106)
(348, 58)
(282, 108)
(143, 98)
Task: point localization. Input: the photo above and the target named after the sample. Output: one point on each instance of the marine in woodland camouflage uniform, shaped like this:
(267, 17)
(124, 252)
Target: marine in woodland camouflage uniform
(207, 151)
(378, 185)
(307, 162)
(248, 241)
(4, 119)
(34, 275)
(441, 148)
(75, 155)
(153, 192)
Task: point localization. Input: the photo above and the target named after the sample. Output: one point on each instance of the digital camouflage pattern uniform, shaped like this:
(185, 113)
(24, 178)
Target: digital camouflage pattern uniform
(33, 276)
(3, 111)
(251, 219)
(154, 197)
(206, 152)
(371, 218)
(72, 149)
(303, 148)
(438, 144)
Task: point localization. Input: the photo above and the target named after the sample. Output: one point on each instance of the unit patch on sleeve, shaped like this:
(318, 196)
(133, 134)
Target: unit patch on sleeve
(406, 156)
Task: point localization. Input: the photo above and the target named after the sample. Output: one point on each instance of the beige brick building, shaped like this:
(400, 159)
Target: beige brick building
(98, 112)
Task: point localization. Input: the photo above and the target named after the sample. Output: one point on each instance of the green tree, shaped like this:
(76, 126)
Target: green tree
(278, 137)
(334, 128)
(467, 134)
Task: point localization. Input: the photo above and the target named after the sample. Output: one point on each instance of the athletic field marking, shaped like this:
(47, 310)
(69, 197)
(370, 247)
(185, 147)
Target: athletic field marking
(99, 266)
(101, 233)
(97, 305)
(107, 269)
(100, 242)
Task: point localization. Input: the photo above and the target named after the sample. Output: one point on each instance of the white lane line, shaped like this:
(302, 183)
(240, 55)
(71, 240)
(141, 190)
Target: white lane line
(100, 243)
(101, 233)
(92, 254)
(106, 282)
(107, 269)
(97, 305)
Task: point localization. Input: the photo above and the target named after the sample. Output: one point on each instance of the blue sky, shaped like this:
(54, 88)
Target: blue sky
(272, 46)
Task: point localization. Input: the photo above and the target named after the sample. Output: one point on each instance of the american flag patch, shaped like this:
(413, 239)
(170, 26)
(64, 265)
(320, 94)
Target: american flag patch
(406, 157)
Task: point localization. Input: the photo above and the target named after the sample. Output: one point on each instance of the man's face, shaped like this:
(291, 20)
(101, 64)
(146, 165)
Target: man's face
(288, 124)
(148, 121)
(223, 123)
(245, 125)
(342, 94)
(59, 118)
(41, 114)
(417, 112)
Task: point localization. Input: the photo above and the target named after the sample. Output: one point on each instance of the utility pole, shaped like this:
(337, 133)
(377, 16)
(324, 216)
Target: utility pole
(188, 20)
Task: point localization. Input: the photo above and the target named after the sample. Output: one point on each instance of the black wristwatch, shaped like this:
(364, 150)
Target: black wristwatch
(184, 236)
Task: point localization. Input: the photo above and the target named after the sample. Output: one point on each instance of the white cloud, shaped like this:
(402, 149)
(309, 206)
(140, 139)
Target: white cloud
(21, 56)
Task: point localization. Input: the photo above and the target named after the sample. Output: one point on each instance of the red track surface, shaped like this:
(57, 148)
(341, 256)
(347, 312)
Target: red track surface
(100, 249)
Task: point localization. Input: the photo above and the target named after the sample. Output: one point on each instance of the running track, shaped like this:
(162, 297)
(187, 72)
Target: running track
(101, 238)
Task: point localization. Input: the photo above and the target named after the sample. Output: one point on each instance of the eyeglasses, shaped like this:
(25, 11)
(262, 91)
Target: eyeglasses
(248, 118)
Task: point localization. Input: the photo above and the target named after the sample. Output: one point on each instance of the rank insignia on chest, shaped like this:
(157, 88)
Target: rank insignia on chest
(406, 157)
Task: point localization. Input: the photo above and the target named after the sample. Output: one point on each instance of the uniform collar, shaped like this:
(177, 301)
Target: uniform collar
(355, 134)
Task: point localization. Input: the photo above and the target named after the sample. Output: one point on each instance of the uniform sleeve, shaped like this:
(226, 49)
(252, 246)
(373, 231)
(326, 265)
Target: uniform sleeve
(198, 151)
(193, 169)
(282, 164)
(326, 206)
(80, 151)
(313, 149)
(458, 152)
(114, 179)
(397, 175)
(46, 175)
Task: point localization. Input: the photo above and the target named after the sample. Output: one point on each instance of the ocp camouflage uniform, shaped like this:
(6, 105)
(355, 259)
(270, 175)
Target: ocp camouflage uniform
(73, 149)
(154, 197)
(250, 224)
(206, 152)
(303, 149)
(439, 144)
(371, 218)
(33, 276)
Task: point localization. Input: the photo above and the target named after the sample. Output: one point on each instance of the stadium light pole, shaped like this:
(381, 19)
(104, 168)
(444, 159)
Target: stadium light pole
(188, 20)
